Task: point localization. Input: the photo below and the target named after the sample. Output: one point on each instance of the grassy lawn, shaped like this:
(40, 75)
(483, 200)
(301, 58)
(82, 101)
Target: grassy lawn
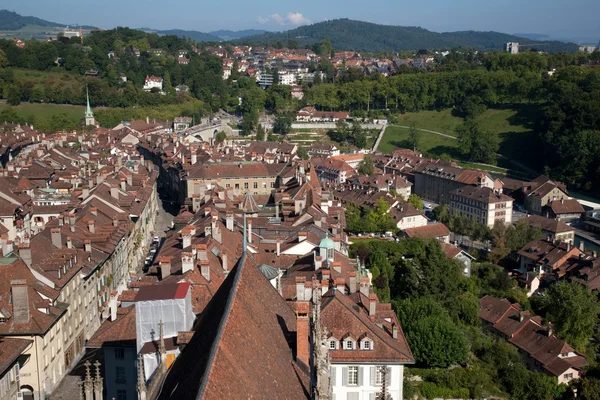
(514, 126)
(397, 137)
(27, 110)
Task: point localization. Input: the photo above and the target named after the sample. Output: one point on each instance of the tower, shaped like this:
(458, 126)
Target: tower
(89, 115)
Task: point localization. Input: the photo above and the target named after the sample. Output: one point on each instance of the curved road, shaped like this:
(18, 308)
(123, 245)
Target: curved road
(516, 163)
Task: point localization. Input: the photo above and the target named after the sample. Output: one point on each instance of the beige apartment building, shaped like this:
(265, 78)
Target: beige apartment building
(254, 177)
(482, 204)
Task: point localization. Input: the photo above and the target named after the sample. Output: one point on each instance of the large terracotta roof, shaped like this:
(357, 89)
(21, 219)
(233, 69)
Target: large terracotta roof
(239, 348)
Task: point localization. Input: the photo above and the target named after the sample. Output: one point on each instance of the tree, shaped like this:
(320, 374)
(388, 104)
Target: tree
(283, 123)
(292, 44)
(221, 136)
(573, 310)
(250, 121)
(476, 143)
(366, 166)
(3, 59)
(433, 338)
(415, 201)
(14, 96)
(414, 137)
(589, 388)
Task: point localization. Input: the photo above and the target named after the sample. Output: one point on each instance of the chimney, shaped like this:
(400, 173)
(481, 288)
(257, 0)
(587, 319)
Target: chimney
(187, 238)
(372, 304)
(395, 331)
(300, 282)
(61, 220)
(278, 247)
(69, 242)
(123, 184)
(207, 231)
(302, 236)
(229, 222)
(130, 180)
(217, 235)
(20, 301)
(224, 260)
(325, 275)
(352, 282)
(249, 231)
(302, 333)
(94, 211)
(549, 330)
(582, 246)
(165, 267)
(56, 238)
(364, 286)
(99, 179)
(85, 192)
(115, 221)
(114, 191)
(340, 284)
(194, 158)
(205, 269)
(92, 226)
(25, 254)
(201, 252)
(72, 220)
(207, 211)
(187, 262)
(87, 244)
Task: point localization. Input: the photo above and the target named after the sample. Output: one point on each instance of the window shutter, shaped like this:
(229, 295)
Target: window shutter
(360, 375)
(372, 375)
(353, 396)
(344, 376)
(389, 375)
(372, 396)
(333, 373)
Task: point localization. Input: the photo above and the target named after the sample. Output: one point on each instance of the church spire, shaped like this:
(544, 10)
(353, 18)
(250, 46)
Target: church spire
(89, 114)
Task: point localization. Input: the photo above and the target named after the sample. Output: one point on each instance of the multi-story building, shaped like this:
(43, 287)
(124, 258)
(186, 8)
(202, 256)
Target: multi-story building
(482, 205)
(240, 177)
(153, 82)
(512, 47)
(434, 182)
(542, 191)
(11, 360)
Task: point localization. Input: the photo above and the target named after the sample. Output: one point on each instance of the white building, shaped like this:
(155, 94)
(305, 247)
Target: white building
(366, 346)
(512, 47)
(482, 204)
(153, 82)
(287, 79)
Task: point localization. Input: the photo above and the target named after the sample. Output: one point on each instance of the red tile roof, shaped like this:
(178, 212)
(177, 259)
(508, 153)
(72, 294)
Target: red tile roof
(163, 292)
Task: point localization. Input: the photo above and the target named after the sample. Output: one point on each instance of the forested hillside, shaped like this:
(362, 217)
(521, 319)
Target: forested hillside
(11, 21)
(346, 34)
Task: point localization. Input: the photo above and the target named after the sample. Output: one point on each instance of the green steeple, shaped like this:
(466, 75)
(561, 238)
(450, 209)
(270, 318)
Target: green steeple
(88, 110)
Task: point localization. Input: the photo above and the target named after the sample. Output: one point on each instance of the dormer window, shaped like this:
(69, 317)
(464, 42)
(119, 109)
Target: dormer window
(367, 344)
(332, 344)
(348, 344)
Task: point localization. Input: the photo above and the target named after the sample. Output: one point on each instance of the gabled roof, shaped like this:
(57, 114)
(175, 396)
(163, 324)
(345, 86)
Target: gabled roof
(163, 292)
(345, 316)
(239, 348)
(428, 231)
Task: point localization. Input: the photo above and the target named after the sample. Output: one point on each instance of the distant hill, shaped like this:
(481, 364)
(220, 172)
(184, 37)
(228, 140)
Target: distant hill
(346, 34)
(11, 21)
(194, 35)
(533, 36)
(232, 35)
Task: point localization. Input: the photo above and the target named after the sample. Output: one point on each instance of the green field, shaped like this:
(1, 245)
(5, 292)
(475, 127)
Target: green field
(514, 126)
(29, 110)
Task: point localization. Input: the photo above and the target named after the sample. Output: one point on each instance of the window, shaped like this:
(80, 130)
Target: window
(272, 185)
(120, 375)
(121, 394)
(366, 344)
(119, 353)
(349, 344)
(568, 376)
(332, 345)
(237, 185)
(379, 376)
(255, 185)
(353, 375)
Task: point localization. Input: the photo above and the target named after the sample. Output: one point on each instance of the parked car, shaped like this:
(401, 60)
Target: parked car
(427, 206)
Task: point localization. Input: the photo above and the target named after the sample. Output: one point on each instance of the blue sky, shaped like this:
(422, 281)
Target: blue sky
(562, 18)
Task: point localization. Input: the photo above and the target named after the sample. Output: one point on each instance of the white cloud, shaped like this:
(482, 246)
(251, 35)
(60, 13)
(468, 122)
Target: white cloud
(292, 18)
(297, 19)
